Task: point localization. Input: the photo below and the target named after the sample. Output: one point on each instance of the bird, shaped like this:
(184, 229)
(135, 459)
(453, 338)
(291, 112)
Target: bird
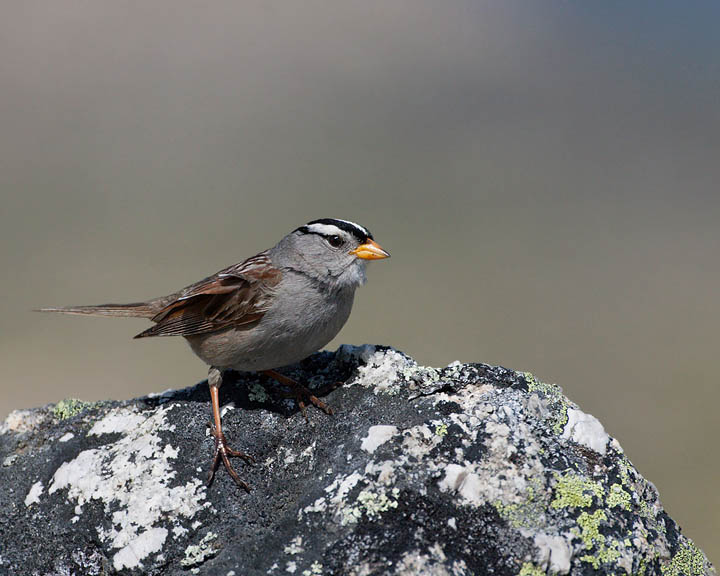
(263, 314)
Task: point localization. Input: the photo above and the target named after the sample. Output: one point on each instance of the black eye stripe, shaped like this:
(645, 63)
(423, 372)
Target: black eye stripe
(306, 230)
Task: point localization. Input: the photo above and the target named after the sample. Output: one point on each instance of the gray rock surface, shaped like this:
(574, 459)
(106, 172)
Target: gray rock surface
(469, 469)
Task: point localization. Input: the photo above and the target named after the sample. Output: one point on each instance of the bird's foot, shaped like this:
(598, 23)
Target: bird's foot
(302, 395)
(223, 453)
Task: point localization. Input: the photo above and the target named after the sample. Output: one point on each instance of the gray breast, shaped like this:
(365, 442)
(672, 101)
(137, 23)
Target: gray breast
(304, 317)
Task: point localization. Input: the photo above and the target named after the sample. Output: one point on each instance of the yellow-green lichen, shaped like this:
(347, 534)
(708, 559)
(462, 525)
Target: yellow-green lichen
(575, 491)
(556, 401)
(199, 553)
(441, 430)
(372, 504)
(606, 549)
(529, 569)
(529, 513)
(590, 528)
(624, 470)
(68, 408)
(688, 561)
(618, 497)
(644, 509)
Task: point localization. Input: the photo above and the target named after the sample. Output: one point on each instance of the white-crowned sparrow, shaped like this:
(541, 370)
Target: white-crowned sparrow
(271, 310)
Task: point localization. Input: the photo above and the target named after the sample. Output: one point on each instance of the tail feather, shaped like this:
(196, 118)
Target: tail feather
(134, 310)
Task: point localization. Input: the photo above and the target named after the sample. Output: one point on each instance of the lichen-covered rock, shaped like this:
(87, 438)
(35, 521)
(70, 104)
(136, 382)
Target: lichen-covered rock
(470, 469)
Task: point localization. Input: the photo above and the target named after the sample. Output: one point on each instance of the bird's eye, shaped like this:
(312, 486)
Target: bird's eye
(335, 241)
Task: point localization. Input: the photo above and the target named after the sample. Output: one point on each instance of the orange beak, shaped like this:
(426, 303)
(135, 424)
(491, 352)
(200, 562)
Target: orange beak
(371, 250)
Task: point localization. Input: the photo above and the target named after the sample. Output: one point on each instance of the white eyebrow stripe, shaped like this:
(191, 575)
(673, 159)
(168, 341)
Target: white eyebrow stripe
(324, 229)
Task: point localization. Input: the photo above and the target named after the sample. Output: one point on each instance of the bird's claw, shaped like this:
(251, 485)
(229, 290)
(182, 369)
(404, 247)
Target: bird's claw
(223, 453)
(303, 396)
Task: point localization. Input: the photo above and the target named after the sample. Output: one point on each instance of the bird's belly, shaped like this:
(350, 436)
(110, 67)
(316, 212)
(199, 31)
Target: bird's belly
(281, 337)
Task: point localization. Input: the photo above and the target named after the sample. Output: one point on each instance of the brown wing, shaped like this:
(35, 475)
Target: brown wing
(235, 296)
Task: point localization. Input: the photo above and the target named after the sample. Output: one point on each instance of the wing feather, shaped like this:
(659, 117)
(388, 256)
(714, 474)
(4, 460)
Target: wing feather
(236, 296)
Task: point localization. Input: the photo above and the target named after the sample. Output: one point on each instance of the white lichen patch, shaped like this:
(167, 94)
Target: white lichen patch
(496, 477)
(373, 500)
(117, 421)
(34, 493)
(587, 430)
(295, 546)
(132, 476)
(419, 441)
(341, 486)
(22, 421)
(320, 505)
(415, 562)
(66, 437)
(377, 436)
(149, 542)
(384, 370)
(463, 480)
(309, 453)
(554, 553)
(384, 472)
(316, 569)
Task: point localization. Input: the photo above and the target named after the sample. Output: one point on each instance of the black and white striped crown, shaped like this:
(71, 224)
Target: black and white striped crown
(331, 226)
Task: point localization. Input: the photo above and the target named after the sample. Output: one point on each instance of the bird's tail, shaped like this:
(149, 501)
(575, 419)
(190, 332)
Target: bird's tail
(134, 310)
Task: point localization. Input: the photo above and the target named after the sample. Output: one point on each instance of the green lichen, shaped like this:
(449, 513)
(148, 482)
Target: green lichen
(372, 504)
(199, 553)
(430, 374)
(529, 569)
(68, 408)
(556, 401)
(529, 513)
(624, 470)
(575, 491)
(631, 483)
(688, 561)
(606, 549)
(590, 528)
(441, 430)
(618, 497)
(257, 393)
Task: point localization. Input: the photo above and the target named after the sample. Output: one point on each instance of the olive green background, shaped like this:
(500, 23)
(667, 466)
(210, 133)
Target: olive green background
(544, 174)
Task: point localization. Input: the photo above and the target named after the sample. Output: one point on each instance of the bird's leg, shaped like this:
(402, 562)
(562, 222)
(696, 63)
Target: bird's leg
(222, 451)
(302, 395)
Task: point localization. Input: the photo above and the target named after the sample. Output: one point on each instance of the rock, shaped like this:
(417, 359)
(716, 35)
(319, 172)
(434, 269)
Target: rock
(469, 469)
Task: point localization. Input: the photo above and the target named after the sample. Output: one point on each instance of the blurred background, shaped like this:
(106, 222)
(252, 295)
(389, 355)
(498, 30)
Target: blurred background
(545, 176)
